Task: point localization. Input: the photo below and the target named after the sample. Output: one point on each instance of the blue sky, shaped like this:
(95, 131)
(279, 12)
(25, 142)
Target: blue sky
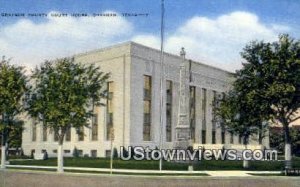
(213, 31)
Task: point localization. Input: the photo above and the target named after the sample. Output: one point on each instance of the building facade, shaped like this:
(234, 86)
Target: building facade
(133, 105)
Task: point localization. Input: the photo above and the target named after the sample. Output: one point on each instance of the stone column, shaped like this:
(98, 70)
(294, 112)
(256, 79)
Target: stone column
(198, 126)
(209, 116)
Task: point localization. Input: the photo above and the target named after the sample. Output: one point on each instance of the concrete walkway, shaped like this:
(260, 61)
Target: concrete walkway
(222, 173)
(22, 178)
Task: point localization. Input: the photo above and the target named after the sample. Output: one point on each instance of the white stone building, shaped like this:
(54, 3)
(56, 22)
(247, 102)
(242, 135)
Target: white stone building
(133, 105)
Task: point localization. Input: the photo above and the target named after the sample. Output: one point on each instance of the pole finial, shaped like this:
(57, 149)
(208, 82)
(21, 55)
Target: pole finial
(182, 52)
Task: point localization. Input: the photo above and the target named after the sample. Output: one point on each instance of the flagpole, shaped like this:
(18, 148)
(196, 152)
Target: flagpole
(162, 74)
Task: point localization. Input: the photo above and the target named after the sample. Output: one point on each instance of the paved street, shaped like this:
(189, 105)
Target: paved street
(52, 179)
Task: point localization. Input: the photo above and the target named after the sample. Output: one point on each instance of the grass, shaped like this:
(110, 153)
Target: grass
(118, 173)
(153, 165)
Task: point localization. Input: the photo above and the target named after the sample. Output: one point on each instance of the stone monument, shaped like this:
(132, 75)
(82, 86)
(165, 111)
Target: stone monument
(182, 140)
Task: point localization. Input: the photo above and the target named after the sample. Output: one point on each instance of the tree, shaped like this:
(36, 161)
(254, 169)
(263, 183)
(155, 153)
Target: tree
(15, 137)
(62, 94)
(266, 88)
(275, 75)
(277, 140)
(13, 86)
(236, 116)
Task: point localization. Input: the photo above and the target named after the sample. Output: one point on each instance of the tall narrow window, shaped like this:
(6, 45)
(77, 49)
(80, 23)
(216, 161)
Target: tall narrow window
(240, 138)
(95, 127)
(203, 106)
(68, 135)
(203, 136)
(147, 108)
(192, 111)
(45, 133)
(203, 116)
(223, 135)
(33, 131)
(169, 87)
(81, 133)
(214, 122)
(213, 136)
(109, 109)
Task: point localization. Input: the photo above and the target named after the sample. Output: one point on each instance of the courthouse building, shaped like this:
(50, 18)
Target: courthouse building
(133, 105)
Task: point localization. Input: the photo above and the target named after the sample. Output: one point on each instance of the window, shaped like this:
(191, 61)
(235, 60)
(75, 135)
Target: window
(203, 136)
(44, 133)
(33, 131)
(213, 137)
(203, 107)
(81, 133)
(240, 138)
(147, 108)
(203, 116)
(80, 153)
(214, 122)
(95, 127)
(54, 151)
(93, 153)
(68, 135)
(169, 87)
(192, 111)
(109, 111)
(67, 151)
(223, 136)
(107, 153)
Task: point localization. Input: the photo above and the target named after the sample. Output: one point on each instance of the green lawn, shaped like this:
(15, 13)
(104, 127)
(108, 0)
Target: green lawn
(105, 172)
(153, 165)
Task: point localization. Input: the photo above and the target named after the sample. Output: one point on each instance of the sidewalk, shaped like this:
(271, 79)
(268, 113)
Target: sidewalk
(29, 178)
(221, 173)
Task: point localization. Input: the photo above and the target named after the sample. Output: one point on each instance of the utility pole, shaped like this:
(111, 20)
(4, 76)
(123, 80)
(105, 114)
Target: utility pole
(162, 75)
(112, 137)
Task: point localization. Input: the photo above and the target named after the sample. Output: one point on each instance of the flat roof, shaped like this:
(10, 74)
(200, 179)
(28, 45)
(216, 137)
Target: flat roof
(150, 48)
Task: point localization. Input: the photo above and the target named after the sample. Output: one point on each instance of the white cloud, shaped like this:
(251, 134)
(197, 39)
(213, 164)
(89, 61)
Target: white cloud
(31, 42)
(215, 41)
(218, 41)
(148, 40)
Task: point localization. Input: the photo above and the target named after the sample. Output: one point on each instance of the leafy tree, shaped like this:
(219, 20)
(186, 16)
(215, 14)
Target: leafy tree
(235, 115)
(62, 94)
(15, 136)
(277, 140)
(13, 85)
(266, 88)
(274, 71)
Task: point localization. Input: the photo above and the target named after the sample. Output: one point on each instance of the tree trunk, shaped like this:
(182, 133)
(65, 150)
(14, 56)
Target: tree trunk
(3, 151)
(60, 157)
(246, 163)
(287, 146)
